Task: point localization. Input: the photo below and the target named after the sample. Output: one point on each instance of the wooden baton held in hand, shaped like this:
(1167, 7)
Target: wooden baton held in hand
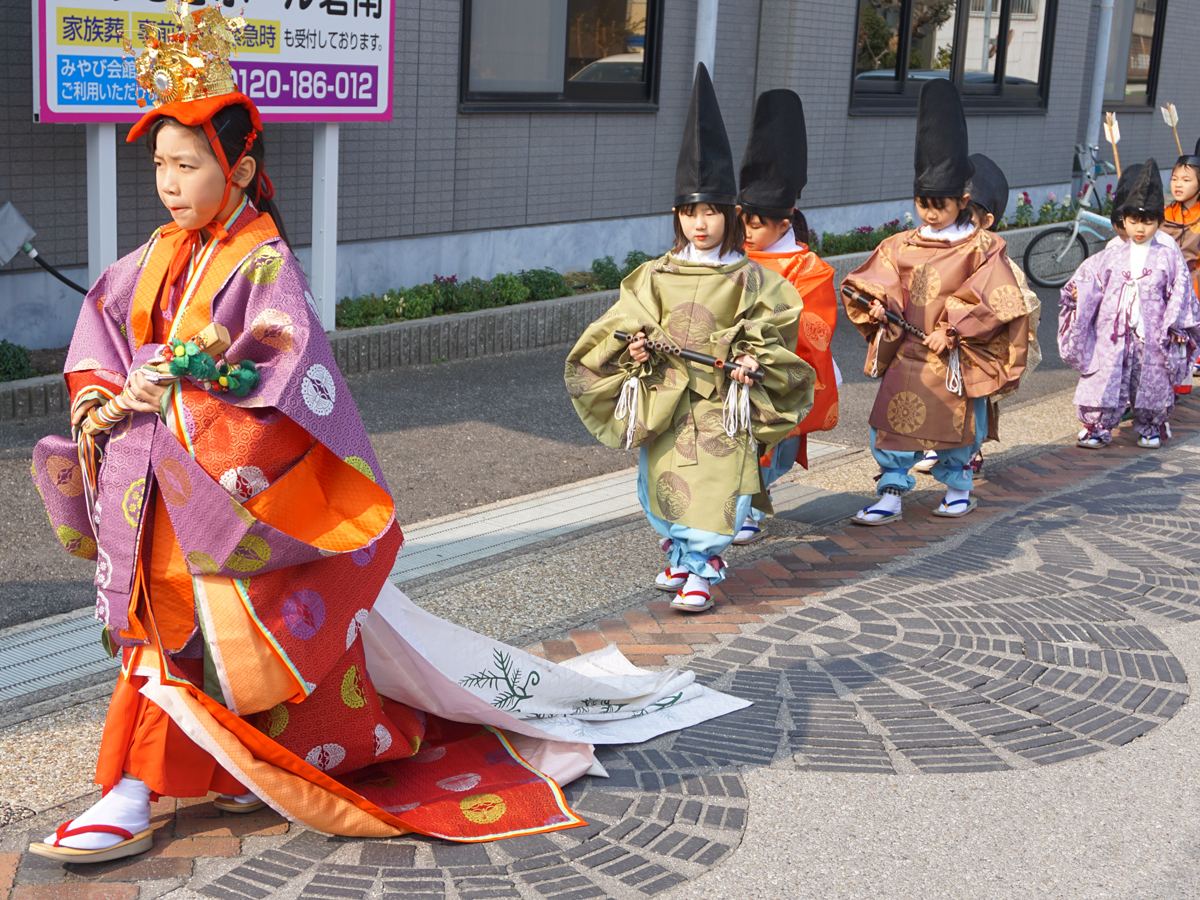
(703, 358)
(213, 339)
(862, 299)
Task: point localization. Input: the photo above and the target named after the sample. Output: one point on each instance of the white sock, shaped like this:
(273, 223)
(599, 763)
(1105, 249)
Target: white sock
(750, 523)
(695, 583)
(890, 502)
(952, 495)
(126, 806)
(886, 504)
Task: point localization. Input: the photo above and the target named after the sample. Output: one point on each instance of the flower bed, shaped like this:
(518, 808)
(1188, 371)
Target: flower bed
(449, 295)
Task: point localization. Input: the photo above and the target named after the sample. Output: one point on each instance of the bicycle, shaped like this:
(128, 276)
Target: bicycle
(1052, 257)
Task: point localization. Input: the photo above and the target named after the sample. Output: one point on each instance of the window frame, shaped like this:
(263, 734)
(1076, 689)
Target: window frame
(604, 97)
(1156, 46)
(900, 98)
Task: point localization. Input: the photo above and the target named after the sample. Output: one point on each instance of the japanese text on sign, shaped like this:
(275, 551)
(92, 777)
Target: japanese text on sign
(317, 69)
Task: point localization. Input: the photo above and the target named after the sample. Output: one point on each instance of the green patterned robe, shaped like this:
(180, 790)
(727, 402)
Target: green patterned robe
(696, 471)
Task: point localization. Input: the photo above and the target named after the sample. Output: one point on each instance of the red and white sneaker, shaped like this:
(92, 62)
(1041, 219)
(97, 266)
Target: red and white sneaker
(671, 579)
(694, 597)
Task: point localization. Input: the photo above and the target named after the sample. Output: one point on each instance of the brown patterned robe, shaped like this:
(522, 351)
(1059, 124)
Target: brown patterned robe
(967, 285)
(696, 471)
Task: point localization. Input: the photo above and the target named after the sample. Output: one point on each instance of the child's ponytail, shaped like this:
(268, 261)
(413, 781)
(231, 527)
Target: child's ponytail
(799, 227)
(232, 125)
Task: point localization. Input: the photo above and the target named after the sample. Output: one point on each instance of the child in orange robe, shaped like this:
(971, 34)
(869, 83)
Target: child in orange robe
(774, 172)
(1183, 222)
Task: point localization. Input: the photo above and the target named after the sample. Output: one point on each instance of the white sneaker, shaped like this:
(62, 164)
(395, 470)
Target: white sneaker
(671, 579)
(748, 533)
(695, 596)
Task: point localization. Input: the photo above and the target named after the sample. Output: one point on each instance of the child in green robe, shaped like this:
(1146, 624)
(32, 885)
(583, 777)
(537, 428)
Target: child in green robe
(699, 430)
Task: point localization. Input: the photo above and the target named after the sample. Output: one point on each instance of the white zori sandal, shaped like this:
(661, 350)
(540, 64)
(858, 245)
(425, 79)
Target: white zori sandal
(694, 597)
(1089, 441)
(748, 533)
(671, 579)
(118, 825)
(925, 466)
(954, 509)
(245, 803)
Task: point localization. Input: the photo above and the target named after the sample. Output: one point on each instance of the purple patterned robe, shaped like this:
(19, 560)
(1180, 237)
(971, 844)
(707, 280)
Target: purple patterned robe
(1096, 336)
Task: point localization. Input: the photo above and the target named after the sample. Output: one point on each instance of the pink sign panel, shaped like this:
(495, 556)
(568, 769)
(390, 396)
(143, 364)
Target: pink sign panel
(298, 60)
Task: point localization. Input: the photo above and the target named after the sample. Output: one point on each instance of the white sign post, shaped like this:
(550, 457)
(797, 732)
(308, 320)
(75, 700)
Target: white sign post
(322, 61)
(324, 225)
(101, 197)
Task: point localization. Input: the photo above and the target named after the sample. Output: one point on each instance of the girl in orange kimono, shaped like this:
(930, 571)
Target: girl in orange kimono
(240, 522)
(774, 172)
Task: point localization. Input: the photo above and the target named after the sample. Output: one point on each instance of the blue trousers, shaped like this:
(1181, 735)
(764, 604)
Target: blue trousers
(784, 450)
(953, 465)
(693, 547)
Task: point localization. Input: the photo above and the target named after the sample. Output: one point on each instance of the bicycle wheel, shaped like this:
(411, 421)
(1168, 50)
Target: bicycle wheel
(1042, 264)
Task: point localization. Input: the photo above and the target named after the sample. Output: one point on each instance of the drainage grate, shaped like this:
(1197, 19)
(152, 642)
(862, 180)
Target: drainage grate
(42, 657)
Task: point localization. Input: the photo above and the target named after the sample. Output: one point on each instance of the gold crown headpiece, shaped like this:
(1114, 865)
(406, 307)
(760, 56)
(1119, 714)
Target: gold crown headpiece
(189, 61)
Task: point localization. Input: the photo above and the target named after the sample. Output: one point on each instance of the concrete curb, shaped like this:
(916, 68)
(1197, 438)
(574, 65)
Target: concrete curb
(461, 336)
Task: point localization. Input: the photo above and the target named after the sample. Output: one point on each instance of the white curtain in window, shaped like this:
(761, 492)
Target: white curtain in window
(518, 45)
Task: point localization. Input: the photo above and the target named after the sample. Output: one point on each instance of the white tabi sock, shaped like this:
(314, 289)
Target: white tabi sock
(952, 495)
(241, 798)
(887, 504)
(126, 806)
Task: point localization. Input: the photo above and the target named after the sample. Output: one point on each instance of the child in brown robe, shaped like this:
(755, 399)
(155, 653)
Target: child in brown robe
(949, 279)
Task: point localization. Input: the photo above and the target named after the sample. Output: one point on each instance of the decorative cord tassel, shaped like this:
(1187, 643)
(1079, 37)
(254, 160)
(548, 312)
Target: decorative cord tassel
(627, 403)
(875, 358)
(735, 415)
(954, 382)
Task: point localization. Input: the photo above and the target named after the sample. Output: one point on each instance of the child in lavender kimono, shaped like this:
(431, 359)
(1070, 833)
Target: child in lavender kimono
(1126, 321)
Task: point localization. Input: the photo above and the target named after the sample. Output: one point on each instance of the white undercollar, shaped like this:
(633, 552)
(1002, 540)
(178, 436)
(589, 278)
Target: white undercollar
(786, 244)
(711, 257)
(950, 233)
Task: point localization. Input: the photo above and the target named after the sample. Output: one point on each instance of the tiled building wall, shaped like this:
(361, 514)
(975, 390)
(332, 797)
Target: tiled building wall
(432, 170)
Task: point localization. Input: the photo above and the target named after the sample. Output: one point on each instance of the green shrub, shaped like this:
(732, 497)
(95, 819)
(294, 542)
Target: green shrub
(607, 273)
(510, 289)
(633, 259)
(15, 362)
(545, 284)
(420, 301)
(447, 290)
(860, 240)
(474, 294)
(363, 311)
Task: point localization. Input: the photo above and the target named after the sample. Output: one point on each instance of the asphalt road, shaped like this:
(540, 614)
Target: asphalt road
(450, 437)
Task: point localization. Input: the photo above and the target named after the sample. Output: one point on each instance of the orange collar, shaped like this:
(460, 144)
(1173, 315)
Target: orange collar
(1176, 213)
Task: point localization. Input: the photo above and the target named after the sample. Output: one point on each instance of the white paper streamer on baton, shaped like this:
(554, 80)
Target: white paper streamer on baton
(1112, 133)
(1171, 116)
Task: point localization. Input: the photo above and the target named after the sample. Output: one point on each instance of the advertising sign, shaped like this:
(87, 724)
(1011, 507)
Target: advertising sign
(298, 60)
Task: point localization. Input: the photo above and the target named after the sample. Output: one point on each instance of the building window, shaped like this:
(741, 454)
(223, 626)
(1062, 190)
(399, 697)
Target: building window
(1134, 51)
(904, 43)
(559, 54)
